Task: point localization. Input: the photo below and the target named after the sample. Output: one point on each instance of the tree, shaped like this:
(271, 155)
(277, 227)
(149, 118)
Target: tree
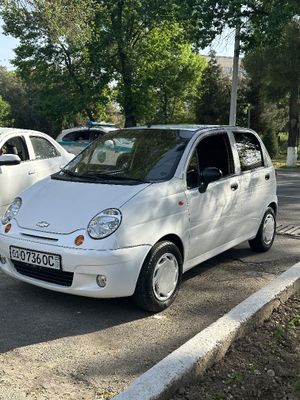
(55, 56)
(212, 104)
(168, 75)
(279, 77)
(5, 117)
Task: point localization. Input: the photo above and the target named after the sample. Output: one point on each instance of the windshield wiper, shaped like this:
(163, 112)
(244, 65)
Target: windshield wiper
(68, 172)
(112, 176)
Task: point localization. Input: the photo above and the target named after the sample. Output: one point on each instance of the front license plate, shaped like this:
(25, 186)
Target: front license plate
(37, 258)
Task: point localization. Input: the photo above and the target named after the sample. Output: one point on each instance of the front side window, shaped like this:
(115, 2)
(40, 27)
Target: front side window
(212, 151)
(249, 151)
(17, 146)
(147, 155)
(43, 149)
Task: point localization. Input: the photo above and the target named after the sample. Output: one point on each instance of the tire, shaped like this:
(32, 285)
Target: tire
(265, 236)
(160, 277)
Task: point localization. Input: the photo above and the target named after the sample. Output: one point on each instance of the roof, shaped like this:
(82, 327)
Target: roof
(17, 131)
(188, 129)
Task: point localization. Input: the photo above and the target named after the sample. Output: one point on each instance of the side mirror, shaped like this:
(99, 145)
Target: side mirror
(9, 159)
(208, 175)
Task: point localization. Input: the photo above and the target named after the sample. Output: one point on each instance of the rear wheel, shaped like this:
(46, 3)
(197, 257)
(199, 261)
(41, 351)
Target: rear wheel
(265, 236)
(159, 278)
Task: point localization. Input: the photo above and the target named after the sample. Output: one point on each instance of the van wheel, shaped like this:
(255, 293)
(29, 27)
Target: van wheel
(265, 236)
(160, 277)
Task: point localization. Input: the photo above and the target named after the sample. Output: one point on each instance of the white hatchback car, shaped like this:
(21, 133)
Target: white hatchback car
(121, 222)
(26, 156)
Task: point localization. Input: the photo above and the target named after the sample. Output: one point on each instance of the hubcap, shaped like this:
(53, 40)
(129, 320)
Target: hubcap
(268, 229)
(165, 276)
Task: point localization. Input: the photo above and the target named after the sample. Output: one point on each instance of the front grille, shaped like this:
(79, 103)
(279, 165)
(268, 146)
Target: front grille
(58, 277)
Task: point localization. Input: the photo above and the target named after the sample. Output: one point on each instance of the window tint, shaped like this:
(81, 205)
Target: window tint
(16, 146)
(249, 151)
(43, 148)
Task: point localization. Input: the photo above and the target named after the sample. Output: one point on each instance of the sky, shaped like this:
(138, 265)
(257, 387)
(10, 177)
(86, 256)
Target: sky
(223, 45)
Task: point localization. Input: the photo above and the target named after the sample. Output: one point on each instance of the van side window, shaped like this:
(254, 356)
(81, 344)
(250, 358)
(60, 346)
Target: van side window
(249, 150)
(212, 151)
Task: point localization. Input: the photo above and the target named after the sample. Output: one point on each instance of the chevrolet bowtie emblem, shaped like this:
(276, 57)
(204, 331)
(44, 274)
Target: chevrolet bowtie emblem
(43, 224)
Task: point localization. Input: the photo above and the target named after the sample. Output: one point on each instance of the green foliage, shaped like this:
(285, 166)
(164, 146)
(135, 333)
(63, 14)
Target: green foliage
(5, 118)
(213, 100)
(275, 69)
(14, 93)
(55, 57)
(168, 74)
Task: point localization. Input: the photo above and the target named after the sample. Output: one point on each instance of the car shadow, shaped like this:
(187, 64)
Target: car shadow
(31, 315)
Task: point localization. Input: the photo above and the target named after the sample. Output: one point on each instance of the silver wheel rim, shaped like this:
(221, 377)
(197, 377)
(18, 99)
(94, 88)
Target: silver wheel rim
(165, 276)
(268, 229)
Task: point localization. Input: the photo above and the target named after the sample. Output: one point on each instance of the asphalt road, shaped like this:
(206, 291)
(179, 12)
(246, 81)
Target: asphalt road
(56, 346)
(288, 191)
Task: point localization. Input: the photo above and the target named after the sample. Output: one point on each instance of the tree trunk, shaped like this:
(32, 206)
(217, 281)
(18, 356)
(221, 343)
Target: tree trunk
(125, 67)
(293, 127)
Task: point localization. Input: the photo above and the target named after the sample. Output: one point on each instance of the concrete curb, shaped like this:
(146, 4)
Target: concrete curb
(210, 345)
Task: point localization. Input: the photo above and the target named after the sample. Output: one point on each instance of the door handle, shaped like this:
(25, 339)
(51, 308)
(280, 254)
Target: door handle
(267, 177)
(31, 172)
(234, 186)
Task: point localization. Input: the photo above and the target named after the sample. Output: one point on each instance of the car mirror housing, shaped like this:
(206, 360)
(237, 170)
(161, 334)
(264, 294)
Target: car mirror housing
(208, 175)
(9, 159)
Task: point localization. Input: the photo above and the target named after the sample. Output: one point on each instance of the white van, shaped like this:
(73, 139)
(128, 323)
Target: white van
(139, 207)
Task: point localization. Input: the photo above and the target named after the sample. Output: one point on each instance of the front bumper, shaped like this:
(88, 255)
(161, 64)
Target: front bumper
(121, 267)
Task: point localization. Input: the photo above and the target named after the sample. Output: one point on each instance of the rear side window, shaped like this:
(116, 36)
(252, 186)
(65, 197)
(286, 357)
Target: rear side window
(78, 136)
(43, 148)
(249, 150)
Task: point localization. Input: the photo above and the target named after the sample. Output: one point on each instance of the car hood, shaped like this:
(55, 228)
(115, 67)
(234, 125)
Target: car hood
(67, 205)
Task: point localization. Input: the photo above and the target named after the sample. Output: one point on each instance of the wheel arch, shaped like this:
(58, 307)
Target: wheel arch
(274, 207)
(176, 240)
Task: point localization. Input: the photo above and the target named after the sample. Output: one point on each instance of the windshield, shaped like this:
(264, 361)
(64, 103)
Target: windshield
(129, 155)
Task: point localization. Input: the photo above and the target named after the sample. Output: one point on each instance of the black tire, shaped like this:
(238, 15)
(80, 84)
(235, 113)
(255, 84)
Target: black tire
(262, 243)
(145, 295)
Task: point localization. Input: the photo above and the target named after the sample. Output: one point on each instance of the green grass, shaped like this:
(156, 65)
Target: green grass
(282, 164)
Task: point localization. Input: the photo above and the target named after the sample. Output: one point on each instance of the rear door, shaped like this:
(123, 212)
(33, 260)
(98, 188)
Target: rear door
(256, 179)
(46, 159)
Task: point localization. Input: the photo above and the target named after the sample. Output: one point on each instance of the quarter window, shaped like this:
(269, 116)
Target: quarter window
(43, 148)
(249, 151)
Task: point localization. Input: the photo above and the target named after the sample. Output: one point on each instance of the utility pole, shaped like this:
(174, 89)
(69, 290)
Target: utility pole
(235, 76)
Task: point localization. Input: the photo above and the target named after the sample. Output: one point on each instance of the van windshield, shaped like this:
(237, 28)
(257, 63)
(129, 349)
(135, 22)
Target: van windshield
(128, 156)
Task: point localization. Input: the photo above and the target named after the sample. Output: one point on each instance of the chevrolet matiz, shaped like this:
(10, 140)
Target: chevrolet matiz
(138, 208)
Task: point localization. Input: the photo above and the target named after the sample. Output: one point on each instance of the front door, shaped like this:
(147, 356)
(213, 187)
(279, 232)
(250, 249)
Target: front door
(212, 212)
(15, 178)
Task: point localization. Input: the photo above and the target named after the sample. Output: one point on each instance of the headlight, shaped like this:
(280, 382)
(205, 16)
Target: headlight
(12, 211)
(104, 223)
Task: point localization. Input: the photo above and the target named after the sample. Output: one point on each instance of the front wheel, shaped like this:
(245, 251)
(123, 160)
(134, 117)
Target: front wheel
(159, 278)
(265, 236)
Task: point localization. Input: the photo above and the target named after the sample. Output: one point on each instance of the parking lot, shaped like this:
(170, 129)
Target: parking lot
(59, 346)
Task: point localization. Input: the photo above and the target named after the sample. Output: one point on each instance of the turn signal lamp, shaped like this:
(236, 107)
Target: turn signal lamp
(79, 240)
(7, 228)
